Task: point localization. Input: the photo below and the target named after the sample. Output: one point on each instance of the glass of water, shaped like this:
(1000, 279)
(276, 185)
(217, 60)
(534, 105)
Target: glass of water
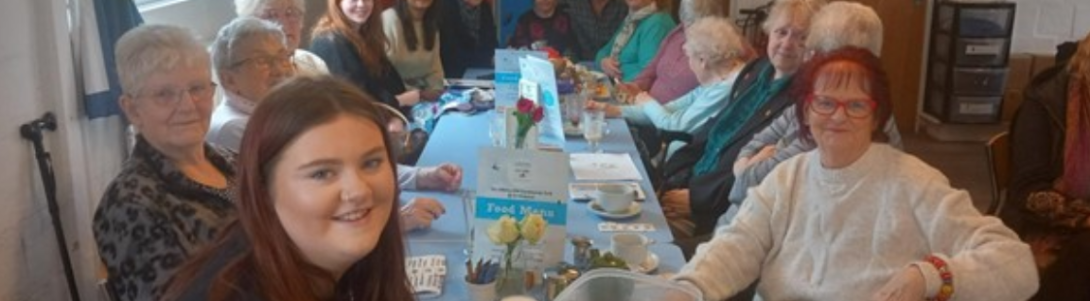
(594, 124)
(469, 201)
(497, 127)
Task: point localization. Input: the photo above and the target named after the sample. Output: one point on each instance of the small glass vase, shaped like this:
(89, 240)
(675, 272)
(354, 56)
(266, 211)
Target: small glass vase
(512, 278)
(527, 140)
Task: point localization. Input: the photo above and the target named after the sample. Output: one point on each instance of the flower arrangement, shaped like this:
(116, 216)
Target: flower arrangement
(528, 115)
(506, 231)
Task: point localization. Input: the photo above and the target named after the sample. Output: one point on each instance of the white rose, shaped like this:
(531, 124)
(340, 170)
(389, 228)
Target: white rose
(503, 231)
(533, 227)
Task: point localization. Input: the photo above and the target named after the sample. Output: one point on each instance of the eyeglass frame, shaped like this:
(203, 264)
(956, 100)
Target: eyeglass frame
(842, 104)
(171, 96)
(267, 61)
(290, 14)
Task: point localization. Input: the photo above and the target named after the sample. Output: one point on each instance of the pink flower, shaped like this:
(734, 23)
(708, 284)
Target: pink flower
(539, 113)
(525, 105)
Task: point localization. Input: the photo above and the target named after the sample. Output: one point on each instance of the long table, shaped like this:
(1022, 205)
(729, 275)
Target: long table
(457, 139)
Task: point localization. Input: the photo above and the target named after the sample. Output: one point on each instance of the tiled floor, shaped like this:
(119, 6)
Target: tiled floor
(964, 163)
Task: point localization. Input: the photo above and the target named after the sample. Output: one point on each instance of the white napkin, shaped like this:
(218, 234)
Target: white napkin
(629, 227)
(426, 274)
(604, 167)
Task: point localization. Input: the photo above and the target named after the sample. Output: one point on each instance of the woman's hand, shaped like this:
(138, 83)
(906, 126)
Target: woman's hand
(431, 95)
(611, 111)
(744, 163)
(629, 88)
(625, 91)
(642, 98)
(446, 176)
(611, 67)
(419, 213)
(675, 203)
(409, 98)
(908, 285)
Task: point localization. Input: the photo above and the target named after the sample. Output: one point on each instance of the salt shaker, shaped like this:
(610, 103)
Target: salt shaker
(581, 255)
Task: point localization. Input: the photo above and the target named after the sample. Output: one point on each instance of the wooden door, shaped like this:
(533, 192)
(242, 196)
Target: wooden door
(904, 24)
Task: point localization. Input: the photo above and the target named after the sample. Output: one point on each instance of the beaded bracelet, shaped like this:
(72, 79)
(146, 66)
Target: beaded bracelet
(947, 289)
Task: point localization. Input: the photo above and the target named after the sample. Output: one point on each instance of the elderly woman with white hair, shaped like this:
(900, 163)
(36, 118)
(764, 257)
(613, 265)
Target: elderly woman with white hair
(836, 25)
(671, 63)
(715, 52)
(289, 14)
(173, 194)
(698, 176)
(250, 56)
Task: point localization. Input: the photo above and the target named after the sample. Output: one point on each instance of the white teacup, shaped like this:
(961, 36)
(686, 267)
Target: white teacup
(632, 247)
(615, 198)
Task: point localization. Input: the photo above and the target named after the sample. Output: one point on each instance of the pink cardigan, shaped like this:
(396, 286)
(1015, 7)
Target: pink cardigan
(672, 66)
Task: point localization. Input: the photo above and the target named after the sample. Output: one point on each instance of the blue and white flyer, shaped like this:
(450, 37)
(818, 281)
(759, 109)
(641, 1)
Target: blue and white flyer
(517, 189)
(551, 129)
(508, 74)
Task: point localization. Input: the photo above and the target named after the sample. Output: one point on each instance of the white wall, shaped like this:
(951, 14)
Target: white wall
(37, 75)
(1041, 24)
(205, 17)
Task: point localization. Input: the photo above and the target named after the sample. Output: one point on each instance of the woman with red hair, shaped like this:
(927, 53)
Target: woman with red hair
(858, 220)
(350, 39)
(316, 217)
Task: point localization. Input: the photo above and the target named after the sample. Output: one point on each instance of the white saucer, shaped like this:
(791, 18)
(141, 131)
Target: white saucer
(633, 210)
(649, 265)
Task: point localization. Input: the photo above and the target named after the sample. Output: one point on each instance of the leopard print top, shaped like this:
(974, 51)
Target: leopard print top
(152, 217)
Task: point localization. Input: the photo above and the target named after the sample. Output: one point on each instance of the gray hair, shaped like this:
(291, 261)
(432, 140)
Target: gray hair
(245, 8)
(842, 24)
(240, 30)
(691, 10)
(801, 10)
(149, 49)
(715, 39)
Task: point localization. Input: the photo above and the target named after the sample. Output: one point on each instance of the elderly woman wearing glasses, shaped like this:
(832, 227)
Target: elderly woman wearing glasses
(858, 220)
(174, 192)
(250, 57)
(289, 15)
(836, 25)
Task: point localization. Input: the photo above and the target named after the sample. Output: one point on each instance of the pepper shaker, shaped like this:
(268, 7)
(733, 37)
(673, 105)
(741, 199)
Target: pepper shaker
(581, 255)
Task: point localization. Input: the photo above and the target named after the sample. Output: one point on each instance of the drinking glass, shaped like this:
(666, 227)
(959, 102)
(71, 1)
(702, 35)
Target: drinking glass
(469, 201)
(497, 127)
(574, 109)
(594, 124)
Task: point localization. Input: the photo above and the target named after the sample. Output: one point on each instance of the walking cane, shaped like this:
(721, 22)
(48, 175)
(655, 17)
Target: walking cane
(33, 131)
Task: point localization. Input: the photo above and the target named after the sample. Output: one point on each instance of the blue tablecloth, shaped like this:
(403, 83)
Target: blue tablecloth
(454, 286)
(457, 140)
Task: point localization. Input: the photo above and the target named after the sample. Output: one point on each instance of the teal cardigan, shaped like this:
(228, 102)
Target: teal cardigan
(642, 47)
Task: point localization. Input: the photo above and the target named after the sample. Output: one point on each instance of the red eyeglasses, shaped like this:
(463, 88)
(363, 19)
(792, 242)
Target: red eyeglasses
(855, 108)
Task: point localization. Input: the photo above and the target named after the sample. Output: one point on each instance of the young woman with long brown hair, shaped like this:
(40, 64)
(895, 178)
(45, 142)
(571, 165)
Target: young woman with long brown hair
(411, 28)
(350, 39)
(316, 211)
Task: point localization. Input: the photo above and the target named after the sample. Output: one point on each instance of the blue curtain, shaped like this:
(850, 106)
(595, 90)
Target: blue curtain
(113, 18)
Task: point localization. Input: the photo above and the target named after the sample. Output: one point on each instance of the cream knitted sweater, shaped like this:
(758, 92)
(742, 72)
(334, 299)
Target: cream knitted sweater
(420, 68)
(811, 233)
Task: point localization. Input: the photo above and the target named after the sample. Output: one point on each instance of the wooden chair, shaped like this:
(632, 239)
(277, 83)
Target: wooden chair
(998, 150)
(103, 285)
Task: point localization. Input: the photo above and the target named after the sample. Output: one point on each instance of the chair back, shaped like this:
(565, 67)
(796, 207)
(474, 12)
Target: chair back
(999, 165)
